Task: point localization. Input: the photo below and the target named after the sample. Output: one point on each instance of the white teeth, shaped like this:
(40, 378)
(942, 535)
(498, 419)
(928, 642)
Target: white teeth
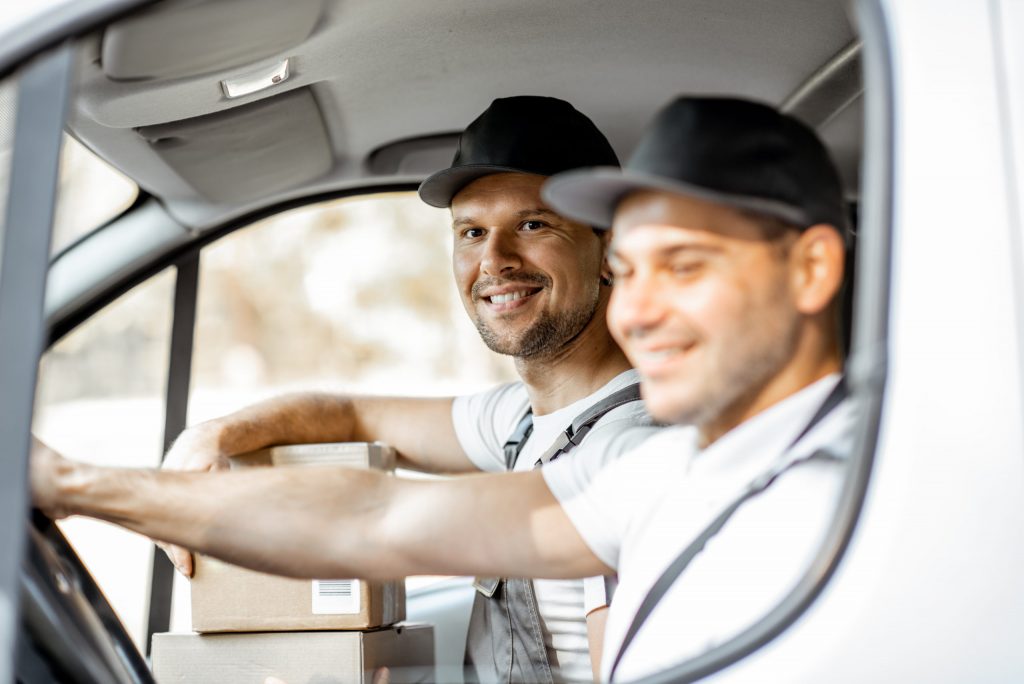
(508, 297)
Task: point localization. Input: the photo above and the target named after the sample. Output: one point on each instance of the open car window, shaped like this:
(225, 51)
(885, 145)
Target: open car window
(351, 295)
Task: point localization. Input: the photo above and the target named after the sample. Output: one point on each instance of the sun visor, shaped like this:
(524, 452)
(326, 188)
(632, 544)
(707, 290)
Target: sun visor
(249, 151)
(414, 156)
(182, 39)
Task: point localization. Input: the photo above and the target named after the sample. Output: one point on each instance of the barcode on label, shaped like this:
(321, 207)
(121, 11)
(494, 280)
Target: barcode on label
(335, 597)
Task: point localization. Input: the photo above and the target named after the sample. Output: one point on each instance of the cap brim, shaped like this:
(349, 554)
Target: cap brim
(592, 196)
(439, 189)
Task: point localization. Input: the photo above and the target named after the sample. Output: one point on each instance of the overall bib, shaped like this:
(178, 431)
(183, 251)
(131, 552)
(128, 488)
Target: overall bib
(506, 637)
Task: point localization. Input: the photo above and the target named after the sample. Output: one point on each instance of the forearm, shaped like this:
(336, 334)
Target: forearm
(596, 621)
(299, 418)
(334, 522)
(283, 520)
(420, 430)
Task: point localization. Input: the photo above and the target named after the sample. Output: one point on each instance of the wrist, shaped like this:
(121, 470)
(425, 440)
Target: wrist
(73, 484)
(214, 436)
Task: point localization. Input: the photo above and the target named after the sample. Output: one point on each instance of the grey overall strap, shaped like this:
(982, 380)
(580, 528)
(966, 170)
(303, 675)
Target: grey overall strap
(514, 446)
(573, 435)
(759, 485)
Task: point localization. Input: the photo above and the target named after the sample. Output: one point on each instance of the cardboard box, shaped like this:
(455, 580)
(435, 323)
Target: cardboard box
(295, 657)
(226, 598)
(349, 454)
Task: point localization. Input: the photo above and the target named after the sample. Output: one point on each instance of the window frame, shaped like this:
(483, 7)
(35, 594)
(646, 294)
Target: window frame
(43, 92)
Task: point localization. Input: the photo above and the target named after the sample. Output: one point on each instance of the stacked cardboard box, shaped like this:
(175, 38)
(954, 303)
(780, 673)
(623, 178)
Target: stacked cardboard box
(256, 625)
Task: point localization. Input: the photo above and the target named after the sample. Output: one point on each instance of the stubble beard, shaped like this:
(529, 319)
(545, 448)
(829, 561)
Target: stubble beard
(546, 337)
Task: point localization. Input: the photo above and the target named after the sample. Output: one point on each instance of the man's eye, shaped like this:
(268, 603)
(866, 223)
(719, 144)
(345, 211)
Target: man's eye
(533, 225)
(686, 269)
(473, 233)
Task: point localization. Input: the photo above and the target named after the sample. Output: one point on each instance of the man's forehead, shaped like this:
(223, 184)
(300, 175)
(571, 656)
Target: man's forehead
(677, 217)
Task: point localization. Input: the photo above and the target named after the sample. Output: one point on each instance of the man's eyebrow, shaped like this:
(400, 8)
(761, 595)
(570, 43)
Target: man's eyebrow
(460, 221)
(537, 211)
(671, 250)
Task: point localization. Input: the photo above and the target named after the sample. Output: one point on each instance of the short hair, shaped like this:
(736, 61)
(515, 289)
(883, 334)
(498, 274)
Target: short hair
(772, 227)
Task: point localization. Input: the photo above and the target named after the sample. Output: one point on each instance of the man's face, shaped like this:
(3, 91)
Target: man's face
(701, 304)
(529, 279)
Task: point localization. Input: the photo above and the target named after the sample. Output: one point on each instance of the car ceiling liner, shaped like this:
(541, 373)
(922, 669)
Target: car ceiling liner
(191, 38)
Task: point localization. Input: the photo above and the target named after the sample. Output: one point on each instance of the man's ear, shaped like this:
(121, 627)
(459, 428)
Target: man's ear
(606, 271)
(816, 262)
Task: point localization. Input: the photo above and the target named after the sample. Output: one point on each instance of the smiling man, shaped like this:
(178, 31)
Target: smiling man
(536, 286)
(728, 251)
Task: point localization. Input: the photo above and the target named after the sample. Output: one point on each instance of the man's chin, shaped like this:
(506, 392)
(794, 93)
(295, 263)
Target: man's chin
(668, 407)
(500, 342)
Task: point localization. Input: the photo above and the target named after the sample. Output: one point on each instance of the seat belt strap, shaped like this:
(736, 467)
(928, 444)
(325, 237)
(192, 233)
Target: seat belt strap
(759, 485)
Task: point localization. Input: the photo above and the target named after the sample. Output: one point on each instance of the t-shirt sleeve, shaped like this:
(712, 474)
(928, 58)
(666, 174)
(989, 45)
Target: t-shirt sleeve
(590, 500)
(598, 592)
(602, 499)
(484, 421)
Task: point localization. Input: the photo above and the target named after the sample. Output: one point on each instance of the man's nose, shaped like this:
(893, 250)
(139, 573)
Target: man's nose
(637, 306)
(500, 255)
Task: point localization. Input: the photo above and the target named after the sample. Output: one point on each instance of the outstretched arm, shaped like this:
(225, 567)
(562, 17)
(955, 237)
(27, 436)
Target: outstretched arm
(421, 430)
(331, 522)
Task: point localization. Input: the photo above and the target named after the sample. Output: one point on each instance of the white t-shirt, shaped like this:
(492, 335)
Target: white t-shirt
(639, 513)
(485, 421)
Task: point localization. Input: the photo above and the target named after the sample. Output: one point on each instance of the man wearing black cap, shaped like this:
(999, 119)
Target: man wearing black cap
(728, 255)
(536, 287)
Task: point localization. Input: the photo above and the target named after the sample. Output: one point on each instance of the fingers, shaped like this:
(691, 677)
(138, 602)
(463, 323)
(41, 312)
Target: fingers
(180, 558)
(195, 449)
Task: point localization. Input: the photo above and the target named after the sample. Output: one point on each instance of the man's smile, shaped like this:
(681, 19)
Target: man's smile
(498, 295)
(508, 298)
(654, 360)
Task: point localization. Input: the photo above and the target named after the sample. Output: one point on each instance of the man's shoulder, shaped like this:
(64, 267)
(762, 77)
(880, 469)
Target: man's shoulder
(500, 400)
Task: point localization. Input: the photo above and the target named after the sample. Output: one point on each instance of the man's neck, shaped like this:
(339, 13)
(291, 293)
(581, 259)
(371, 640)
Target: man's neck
(803, 371)
(580, 368)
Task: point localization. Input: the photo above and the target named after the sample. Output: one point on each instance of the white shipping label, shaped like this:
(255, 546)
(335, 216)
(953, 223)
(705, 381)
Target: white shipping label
(336, 597)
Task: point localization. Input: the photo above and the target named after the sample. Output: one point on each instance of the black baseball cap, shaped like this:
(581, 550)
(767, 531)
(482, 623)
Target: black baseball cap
(730, 151)
(522, 134)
